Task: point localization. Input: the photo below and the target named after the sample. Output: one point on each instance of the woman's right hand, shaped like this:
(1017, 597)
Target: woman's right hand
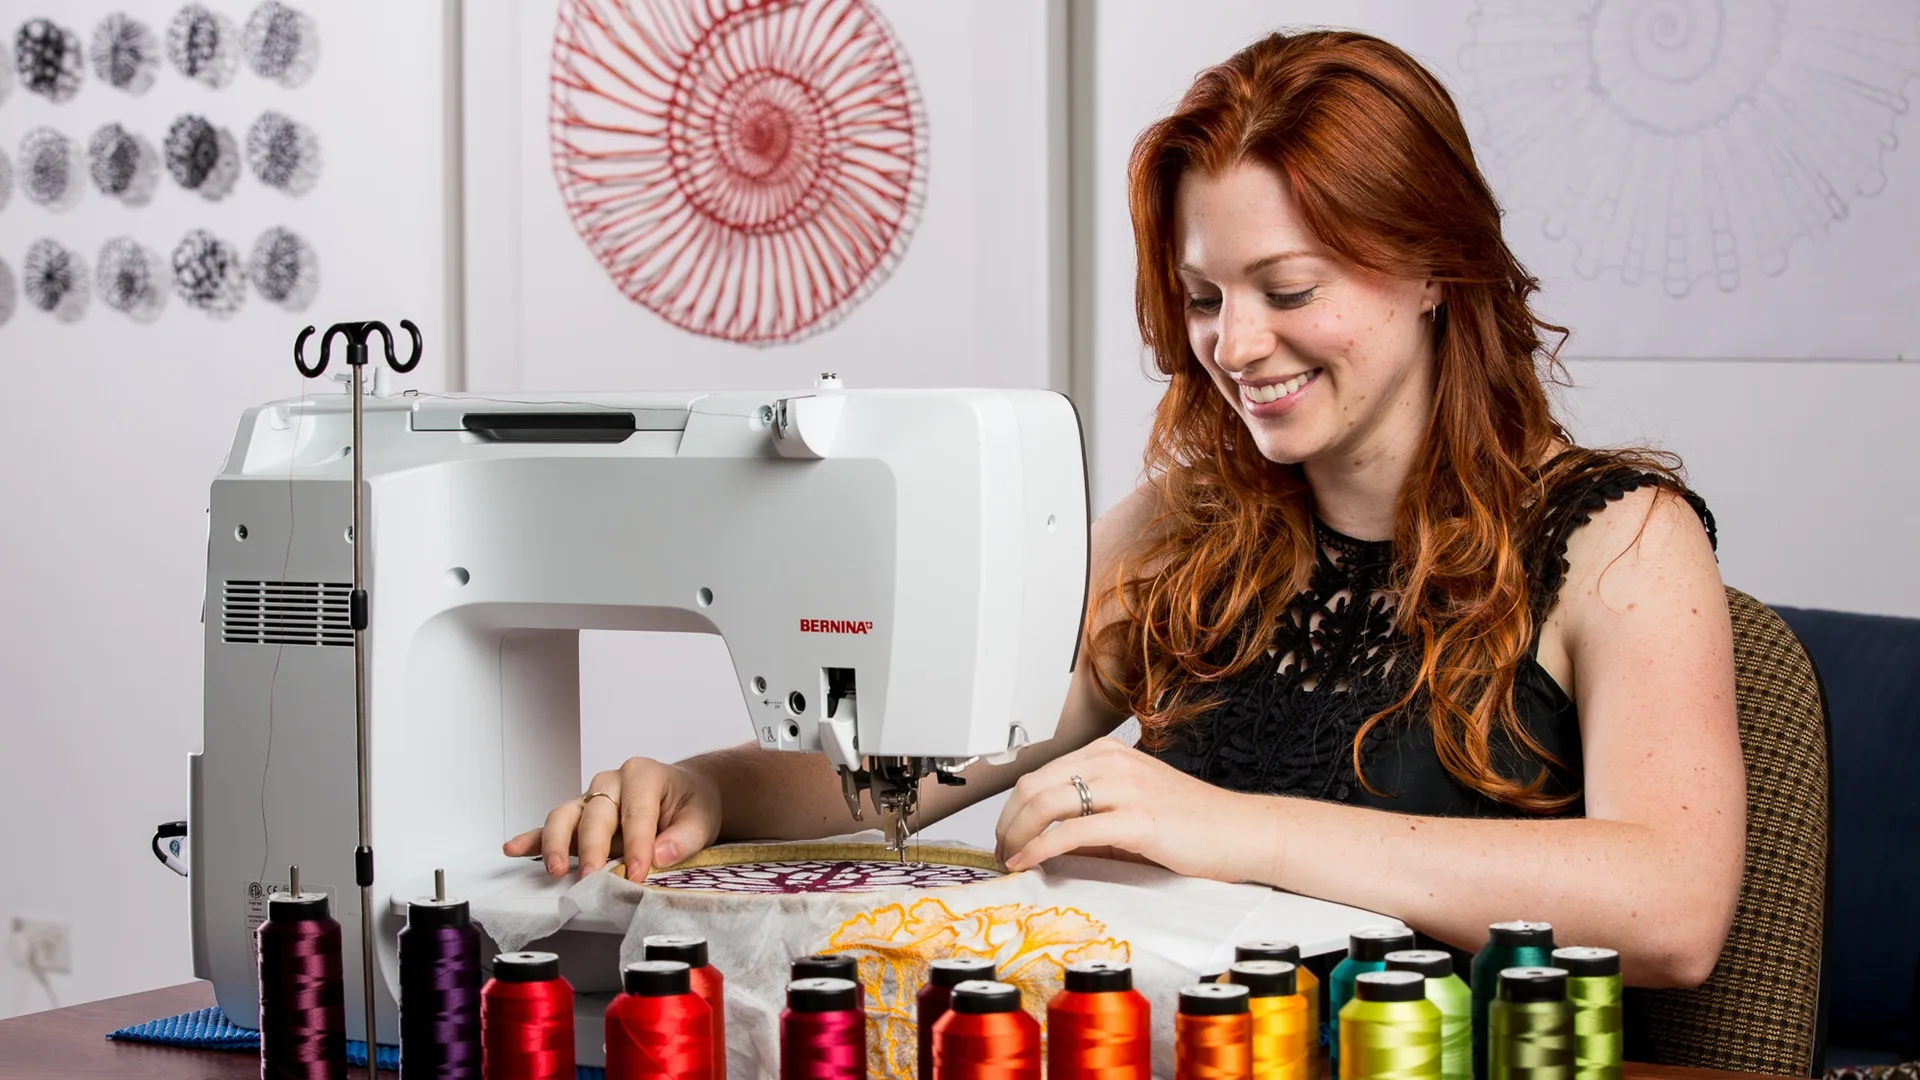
(661, 813)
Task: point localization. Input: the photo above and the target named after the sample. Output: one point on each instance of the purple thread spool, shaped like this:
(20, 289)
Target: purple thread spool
(303, 1013)
(439, 989)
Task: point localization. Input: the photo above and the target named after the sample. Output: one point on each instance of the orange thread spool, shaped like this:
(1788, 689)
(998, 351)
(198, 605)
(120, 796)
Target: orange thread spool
(934, 1000)
(707, 983)
(658, 1028)
(1305, 982)
(1278, 1018)
(1099, 1027)
(1213, 1033)
(986, 1035)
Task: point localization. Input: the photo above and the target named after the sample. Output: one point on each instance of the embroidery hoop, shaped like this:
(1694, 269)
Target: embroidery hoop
(724, 855)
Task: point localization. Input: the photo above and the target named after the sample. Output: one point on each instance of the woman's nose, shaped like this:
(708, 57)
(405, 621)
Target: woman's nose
(1244, 338)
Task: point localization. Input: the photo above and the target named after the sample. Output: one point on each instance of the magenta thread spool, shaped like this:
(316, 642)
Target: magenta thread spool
(303, 1000)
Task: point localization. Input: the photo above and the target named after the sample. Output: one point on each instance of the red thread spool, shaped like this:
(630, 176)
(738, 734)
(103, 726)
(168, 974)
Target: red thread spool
(1098, 1028)
(303, 1016)
(986, 1035)
(832, 966)
(526, 1019)
(934, 998)
(823, 1031)
(707, 983)
(659, 1029)
(1213, 1034)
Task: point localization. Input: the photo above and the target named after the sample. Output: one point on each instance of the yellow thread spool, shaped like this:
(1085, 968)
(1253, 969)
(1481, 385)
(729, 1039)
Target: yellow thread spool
(1279, 1018)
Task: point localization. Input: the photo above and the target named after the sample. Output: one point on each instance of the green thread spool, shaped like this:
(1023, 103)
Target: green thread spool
(1509, 944)
(1367, 950)
(1530, 1026)
(1594, 991)
(1390, 1029)
(1454, 1001)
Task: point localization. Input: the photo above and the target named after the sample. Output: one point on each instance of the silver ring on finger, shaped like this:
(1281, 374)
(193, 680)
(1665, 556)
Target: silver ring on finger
(1086, 797)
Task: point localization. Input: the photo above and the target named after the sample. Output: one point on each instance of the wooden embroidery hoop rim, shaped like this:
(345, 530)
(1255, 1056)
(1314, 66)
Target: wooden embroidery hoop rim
(741, 854)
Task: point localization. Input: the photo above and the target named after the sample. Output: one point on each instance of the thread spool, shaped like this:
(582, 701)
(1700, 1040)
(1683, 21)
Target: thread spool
(1594, 990)
(931, 1003)
(658, 1028)
(303, 1013)
(1306, 981)
(1509, 944)
(831, 966)
(439, 989)
(707, 982)
(1530, 1026)
(526, 1019)
(1390, 1030)
(823, 1031)
(986, 1035)
(1278, 1018)
(1099, 1027)
(1213, 1033)
(1367, 950)
(1454, 1000)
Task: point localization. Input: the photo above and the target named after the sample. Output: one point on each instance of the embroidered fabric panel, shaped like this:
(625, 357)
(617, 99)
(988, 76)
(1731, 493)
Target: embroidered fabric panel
(818, 876)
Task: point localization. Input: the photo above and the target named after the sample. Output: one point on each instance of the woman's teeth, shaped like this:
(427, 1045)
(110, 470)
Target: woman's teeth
(1263, 394)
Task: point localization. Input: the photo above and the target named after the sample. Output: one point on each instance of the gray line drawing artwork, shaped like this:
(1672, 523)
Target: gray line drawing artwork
(208, 274)
(203, 45)
(281, 44)
(55, 280)
(126, 53)
(1677, 142)
(123, 165)
(48, 58)
(202, 158)
(50, 169)
(131, 279)
(283, 153)
(284, 269)
(8, 290)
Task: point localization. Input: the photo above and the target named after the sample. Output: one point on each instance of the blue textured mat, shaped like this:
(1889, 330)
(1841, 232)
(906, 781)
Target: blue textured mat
(209, 1029)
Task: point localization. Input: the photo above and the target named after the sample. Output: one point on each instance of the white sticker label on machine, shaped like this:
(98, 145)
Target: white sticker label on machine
(257, 894)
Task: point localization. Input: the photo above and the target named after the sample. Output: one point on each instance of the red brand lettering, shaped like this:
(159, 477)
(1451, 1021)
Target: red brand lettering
(834, 626)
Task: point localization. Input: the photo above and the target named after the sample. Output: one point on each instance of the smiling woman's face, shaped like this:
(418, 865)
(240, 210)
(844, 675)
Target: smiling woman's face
(1318, 357)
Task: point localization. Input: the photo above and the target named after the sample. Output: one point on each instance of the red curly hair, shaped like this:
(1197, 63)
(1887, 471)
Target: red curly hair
(1379, 163)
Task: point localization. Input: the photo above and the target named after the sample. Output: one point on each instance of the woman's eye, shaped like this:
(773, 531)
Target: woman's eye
(1290, 300)
(1206, 304)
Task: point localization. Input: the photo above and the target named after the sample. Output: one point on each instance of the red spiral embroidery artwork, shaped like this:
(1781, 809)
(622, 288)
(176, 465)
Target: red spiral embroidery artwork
(746, 169)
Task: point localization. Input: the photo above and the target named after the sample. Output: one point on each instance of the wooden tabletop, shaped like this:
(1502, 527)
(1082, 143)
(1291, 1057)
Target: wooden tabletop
(71, 1044)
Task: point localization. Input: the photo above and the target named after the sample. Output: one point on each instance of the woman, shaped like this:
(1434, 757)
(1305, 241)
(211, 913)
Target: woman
(1393, 641)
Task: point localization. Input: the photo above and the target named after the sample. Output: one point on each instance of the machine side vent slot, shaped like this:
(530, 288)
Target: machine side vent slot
(286, 613)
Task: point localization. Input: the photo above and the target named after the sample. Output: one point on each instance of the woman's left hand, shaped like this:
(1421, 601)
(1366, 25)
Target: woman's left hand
(1140, 807)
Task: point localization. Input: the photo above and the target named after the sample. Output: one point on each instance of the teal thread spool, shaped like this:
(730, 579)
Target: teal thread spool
(1509, 944)
(1594, 990)
(1530, 1026)
(1367, 950)
(1455, 1002)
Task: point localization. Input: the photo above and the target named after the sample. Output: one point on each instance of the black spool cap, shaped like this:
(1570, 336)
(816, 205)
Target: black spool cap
(657, 978)
(1521, 934)
(1390, 986)
(985, 996)
(689, 950)
(1528, 984)
(951, 972)
(1373, 943)
(1099, 977)
(1266, 978)
(822, 995)
(1432, 963)
(1587, 962)
(1213, 999)
(427, 913)
(304, 907)
(1267, 950)
(826, 966)
(526, 967)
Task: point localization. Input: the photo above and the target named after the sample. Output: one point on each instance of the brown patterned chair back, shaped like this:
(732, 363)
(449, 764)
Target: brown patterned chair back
(1760, 1011)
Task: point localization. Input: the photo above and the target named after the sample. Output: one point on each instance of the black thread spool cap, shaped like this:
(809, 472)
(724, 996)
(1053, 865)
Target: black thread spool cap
(1587, 962)
(1523, 985)
(689, 950)
(526, 967)
(1390, 986)
(657, 978)
(976, 996)
(427, 913)
(826, 966)
(1520, 934)
(1213, 999)
(1099, 977)
(1371, 944)
(1432, 963)
(298, 907)
(1266, 978)
(951, 972)
(1267, 950)
(822, 996)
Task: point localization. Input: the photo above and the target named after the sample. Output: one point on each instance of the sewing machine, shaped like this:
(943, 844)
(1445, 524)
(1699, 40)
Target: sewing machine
(899, 578)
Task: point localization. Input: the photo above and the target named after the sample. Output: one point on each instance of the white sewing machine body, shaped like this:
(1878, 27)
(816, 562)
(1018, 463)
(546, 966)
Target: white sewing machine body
(925, 550)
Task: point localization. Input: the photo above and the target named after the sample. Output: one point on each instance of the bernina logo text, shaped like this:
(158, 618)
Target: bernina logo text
(834, 626)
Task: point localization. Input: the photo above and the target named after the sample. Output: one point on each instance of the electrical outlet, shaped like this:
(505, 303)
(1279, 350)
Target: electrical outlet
(43, 946)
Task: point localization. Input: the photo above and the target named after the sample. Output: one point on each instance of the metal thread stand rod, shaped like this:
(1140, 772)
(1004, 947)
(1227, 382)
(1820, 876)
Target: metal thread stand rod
(363, 855)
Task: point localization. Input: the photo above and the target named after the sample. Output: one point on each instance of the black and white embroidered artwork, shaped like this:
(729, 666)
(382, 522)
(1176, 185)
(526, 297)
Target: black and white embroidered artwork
(131, 279)
(283, 153)
(7, 289)
(126, 53)
(208, 274)
(55, 280)
(203, 45)
(50, 169)
(281, 44)
(284, 269)
(123, 165)
(48, 58)
(201, 157)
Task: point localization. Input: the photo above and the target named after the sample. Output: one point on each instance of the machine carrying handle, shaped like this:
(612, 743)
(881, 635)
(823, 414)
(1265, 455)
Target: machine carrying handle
(552, 427)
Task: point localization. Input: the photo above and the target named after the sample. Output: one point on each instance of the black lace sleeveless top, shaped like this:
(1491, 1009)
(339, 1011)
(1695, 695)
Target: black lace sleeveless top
(1287, 726)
